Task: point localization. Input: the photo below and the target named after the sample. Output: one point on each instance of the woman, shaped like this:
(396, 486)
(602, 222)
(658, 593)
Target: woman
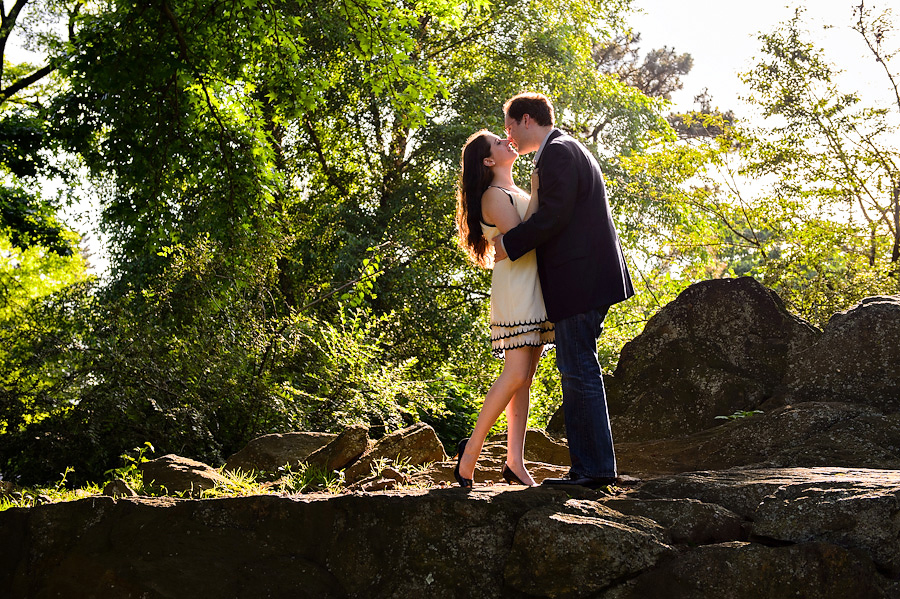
(489, 203)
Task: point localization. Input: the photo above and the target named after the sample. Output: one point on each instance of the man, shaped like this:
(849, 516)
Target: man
(582, 272)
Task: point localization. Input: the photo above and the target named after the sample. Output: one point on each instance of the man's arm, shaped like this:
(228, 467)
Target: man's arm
(559, 185)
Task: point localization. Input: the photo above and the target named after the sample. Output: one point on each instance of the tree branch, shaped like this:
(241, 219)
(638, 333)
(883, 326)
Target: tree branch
(321, 155)
(179, 34)
(24, 82)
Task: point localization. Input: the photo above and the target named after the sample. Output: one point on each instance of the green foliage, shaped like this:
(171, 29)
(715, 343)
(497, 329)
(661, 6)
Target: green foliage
(237, 483)
(278, 183)
(29, 221)
(309, 478)
(130, 470)
(826, 234)
(740, 414)
(59, 491)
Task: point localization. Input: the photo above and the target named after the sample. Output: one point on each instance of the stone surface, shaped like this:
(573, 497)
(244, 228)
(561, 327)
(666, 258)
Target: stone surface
(180, 475)
(270, 452)
(579, 549)
(414, 445)
(849, 510)
(800, 533)
(856, 360)
(721, 346)
(807, 434)
(743, 490)
(342, 450)
(118, 488)
(685, 520)
(556, 426)
(540, 447)
(739, 570)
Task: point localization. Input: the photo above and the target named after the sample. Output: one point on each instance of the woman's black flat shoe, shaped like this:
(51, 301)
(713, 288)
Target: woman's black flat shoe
(510, 476)
(465, 483)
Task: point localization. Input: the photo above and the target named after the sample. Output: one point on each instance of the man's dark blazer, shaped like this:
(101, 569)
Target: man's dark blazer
(580, 260)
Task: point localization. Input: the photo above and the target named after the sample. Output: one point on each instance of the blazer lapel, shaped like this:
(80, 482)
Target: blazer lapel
(553, 135)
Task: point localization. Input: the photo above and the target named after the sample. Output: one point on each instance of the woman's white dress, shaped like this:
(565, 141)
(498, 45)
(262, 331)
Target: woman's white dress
(518, 315)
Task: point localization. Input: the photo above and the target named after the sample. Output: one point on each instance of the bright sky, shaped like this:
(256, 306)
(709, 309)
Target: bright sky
(722, 38)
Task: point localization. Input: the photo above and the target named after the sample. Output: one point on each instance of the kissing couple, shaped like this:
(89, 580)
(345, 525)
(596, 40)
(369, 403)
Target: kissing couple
(558, 266)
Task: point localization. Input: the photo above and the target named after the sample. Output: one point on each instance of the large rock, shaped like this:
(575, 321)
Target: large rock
(180, 475)
(592, 547)
(847, 510)
(720, 347)
(342, 450)
(806, 434)
(685, 520)
(421, 544)
(821, 530)
(856, 360)
(743, 490)
(414, 446)
(540, 447)
(739, 570)
(118, 488)
(270, 452)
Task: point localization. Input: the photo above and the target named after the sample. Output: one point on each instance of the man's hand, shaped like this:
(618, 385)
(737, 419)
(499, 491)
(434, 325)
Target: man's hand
(499, 251)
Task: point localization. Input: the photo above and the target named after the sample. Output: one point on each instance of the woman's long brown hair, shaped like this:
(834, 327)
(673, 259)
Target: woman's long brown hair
(474, 179)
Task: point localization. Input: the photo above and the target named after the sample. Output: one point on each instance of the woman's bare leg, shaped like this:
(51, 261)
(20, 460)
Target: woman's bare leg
(516, 368)
(517, 422)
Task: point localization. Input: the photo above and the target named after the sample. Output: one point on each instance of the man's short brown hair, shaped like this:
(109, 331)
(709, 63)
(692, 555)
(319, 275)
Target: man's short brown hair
(537, 106)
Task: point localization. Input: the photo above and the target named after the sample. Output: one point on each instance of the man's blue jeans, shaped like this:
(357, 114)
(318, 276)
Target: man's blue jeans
(584, 398)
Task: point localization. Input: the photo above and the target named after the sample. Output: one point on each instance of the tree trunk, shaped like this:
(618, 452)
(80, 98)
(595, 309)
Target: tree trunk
(895, 252)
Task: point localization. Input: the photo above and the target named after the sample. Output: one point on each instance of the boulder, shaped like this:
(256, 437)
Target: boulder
(797, 533)
(342, 450)
(740, 570)
(118, 488)
(720, 347)
(807, 434)
(556, 426)
(270, 452)
(742, 491)
(848, 511)
(686, 521)
(414, 446)
(540, 447)
(592, 546)
(856, 360)
(179, 475)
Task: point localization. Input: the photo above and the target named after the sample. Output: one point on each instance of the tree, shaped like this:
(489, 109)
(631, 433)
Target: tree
(278, 185)
(836, 186)
(658, 76)
(804, 202)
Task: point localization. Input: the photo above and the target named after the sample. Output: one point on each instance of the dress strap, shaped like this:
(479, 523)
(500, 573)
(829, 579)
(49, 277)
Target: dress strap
(508, 193)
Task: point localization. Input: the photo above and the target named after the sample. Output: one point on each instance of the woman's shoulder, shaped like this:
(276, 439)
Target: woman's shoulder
(504, 193)
(495, 202)
(495, 192)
